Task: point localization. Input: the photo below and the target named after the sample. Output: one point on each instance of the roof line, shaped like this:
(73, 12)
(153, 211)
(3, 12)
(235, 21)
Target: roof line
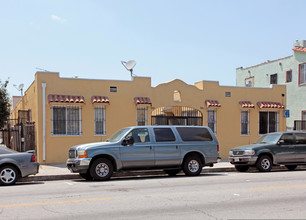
(268, 61)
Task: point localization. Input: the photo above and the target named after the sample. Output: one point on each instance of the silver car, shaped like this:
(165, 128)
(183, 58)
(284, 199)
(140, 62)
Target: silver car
(14, 165)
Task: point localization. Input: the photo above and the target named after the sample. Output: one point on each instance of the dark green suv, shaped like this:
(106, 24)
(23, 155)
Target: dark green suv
(279, 148)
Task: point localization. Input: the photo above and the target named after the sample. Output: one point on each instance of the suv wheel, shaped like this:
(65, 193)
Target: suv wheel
(8, 175)
(242, 168)
(101, 169)
(264, 163)
(291, 167)
(192, 166)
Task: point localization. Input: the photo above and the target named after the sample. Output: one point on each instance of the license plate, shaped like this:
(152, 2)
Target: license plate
(236, 159)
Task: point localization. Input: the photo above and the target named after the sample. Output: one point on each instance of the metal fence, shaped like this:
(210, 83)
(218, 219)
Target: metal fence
(176, 115)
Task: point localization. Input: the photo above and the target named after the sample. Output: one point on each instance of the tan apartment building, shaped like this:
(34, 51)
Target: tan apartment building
(72, 111)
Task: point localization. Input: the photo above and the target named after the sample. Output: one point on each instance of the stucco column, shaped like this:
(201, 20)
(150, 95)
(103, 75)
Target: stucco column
(44, 119)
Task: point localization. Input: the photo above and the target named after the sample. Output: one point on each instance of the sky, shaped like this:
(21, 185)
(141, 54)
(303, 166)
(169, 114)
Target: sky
(191, 40)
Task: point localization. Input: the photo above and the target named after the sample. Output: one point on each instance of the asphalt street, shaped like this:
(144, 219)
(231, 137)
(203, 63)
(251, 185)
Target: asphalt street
(233, 195)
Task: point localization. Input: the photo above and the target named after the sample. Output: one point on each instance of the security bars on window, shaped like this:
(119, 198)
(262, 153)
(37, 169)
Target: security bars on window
(99, 120)
(66, 120)
(141, 116)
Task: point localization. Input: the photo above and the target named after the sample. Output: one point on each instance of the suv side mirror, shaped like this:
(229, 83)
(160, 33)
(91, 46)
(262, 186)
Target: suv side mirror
(281, 142)
(128, 141)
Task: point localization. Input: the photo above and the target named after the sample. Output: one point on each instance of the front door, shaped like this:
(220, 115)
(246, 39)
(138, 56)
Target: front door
(141, 153)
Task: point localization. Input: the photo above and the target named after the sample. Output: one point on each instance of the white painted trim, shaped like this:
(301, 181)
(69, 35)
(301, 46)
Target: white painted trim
(44, 119)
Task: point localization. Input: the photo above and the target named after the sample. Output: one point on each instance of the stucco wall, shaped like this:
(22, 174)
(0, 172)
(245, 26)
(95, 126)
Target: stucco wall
(121, 111)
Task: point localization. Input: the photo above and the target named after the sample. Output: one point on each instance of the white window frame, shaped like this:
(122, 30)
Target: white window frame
(248, 123)
(145, 114)
(302, 74)
(103, 120)
(214, 119)
(66, 116)
(277, 121)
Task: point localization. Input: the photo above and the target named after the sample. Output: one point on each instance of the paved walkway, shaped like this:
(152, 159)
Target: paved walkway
(60, 172)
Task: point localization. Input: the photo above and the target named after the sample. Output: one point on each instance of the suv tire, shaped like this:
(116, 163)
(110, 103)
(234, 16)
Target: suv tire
(192, 166)
(101, 169)
(264, 163)
(243, 168)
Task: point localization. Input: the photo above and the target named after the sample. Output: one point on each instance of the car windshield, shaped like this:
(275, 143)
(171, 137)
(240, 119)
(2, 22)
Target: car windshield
(268, 139)
(118, 135)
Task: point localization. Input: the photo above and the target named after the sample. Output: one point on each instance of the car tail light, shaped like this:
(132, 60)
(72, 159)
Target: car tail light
(218, 148)
(33, 159)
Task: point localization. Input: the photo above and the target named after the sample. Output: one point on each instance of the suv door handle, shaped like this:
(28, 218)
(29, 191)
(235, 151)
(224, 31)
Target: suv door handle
(150, 147)
(176, 147)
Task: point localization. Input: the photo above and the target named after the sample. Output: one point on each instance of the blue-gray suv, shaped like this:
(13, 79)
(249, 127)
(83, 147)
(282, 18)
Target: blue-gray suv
(171, 148)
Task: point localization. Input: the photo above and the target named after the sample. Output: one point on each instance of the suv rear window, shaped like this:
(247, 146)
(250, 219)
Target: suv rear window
(164, 134)
(194, 134)
(300, 138)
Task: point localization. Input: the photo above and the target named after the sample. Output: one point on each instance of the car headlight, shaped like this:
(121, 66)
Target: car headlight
(82, 154)
(249, 152)
(231, 153)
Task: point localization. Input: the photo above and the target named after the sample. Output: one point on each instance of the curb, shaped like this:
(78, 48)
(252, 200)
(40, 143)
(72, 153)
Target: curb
(74, 176)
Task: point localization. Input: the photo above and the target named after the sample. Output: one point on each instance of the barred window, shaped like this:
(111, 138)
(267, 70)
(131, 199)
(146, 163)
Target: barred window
(211, 120)
(141, 116)
(66, 120)
(244, 122)
(99, 120)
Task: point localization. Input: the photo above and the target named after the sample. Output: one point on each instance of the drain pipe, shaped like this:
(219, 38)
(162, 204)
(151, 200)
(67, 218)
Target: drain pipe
(44, 119)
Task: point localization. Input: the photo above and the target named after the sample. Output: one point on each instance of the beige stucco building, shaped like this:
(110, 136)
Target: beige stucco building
(71, 111)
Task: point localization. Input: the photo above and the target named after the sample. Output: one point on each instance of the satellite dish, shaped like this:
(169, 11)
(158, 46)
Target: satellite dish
(20, 87)
(129, 65)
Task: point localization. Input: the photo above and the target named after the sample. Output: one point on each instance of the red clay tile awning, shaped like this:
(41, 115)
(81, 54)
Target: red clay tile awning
(142, 100)
(270, 105)
(99, 99)
(246, 104)
(66, 98)
(212, 103)
(299, 49)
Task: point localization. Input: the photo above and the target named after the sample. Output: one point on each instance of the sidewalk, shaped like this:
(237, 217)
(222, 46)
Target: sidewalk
(60, 172)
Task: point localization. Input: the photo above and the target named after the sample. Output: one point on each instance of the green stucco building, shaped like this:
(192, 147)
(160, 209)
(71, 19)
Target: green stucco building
(289, 71)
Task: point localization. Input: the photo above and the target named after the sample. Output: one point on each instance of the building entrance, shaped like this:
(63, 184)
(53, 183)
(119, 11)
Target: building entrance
(177, 115)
